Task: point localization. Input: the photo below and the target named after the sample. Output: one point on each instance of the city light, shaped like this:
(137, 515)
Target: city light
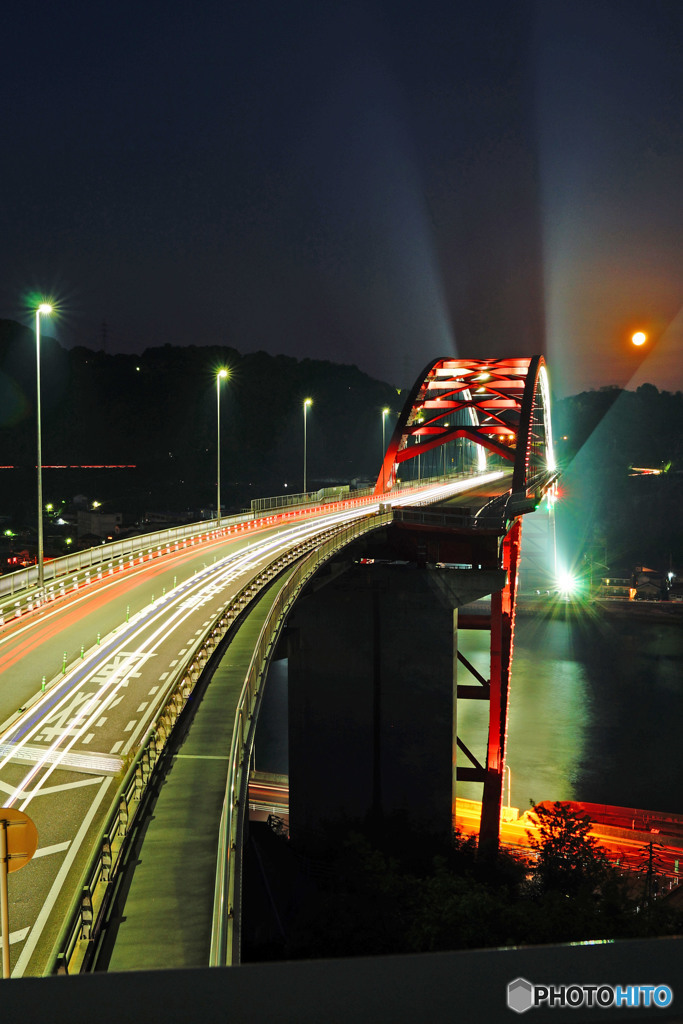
(639, 338)
(567, 584)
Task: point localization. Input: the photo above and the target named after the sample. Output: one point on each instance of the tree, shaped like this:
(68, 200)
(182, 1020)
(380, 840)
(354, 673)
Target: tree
(569, 859)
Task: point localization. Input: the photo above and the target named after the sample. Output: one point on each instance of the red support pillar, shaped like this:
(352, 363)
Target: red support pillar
(502, 638)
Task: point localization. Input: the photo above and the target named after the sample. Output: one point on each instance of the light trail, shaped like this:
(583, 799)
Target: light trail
(188, 596)
(226, 571)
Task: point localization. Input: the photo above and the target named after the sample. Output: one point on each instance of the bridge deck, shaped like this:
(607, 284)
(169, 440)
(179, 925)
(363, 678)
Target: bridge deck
(163, 916)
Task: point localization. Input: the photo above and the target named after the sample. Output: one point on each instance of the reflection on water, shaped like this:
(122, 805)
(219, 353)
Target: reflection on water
(596, 710)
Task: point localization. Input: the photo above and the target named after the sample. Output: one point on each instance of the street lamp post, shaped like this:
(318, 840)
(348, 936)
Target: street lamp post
(385, 412)
(44, 309)
(307, 402)
(221, 375)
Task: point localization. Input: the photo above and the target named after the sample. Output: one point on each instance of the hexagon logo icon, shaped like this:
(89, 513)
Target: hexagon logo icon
(520, 995)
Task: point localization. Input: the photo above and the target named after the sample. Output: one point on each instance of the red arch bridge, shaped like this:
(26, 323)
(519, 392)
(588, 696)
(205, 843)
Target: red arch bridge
(121, 636)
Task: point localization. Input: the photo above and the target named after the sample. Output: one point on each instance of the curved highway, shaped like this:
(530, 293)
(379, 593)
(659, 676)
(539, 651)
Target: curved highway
(83, 679)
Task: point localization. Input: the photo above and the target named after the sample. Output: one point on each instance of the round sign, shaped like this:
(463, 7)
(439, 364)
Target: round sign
(22, 837)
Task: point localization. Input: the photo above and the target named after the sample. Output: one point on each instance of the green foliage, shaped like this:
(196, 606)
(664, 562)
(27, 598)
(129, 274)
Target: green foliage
(568, 857)
(372, 901)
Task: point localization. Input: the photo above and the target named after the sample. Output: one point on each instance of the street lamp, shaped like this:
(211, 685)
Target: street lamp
(44, 309)
(385, 413)
(307, 402)
(221, 375)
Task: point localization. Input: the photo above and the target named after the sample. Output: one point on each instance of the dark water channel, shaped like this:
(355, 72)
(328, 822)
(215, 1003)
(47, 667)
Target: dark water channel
(596, 711)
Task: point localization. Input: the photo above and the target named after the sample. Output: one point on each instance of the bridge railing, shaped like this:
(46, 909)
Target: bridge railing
(458, 518)
(75, 947)
(224, 947)
(68, 565)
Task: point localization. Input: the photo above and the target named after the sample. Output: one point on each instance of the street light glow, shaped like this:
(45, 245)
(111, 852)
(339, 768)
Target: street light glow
(307, 402)
(44, 309)
(221, 374)
(567, 584)
(639, 338)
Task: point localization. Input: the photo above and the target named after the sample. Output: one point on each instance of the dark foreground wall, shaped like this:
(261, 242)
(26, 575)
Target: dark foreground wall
(438, 988)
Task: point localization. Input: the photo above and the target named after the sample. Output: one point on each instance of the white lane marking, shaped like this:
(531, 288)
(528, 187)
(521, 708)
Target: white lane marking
(184, 651)
(173, 663)
(130, 725)
(88, 738)
(37, 930)
(163, 676)
(20, 935)
(155, 688)
(117, 746)
(47, 851)
(142, 707)
(248, 562)
(101, 722)
(49, 790)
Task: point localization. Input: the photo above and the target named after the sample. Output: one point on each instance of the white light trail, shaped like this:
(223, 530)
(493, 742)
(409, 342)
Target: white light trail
(186, 597)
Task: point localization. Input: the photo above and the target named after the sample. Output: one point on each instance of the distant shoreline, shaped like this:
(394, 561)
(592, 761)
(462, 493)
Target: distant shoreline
(666, 612)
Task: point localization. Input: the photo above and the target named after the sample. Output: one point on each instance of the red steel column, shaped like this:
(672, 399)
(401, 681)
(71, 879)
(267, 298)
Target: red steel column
(502, 637)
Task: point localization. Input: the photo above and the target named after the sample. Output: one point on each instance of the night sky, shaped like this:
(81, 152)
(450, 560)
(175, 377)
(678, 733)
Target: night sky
(377, 183)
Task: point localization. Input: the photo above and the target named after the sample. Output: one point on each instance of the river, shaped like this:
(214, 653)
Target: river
(596, 711)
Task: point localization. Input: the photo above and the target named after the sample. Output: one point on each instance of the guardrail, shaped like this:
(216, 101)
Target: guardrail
(75, 946)
(322, 496)
(453, 519)
(224, 949)
(112, 556)
(56, 568)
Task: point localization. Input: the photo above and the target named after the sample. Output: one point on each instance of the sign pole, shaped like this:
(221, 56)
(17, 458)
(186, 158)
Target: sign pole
(4, 898)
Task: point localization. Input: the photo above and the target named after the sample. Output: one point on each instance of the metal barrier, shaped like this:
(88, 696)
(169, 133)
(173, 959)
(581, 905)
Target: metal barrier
(75, 946)
(56, 568)
(224, 949)
(322, 497)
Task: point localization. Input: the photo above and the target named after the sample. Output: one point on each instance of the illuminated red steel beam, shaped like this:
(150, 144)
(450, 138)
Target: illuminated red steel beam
(510, 394)
(501, 398)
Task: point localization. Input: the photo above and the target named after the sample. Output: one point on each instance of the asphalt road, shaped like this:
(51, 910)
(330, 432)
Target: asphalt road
(83, 679)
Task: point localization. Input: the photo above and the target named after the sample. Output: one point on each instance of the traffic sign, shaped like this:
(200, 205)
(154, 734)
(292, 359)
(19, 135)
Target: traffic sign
(22, 837)
(18, 842)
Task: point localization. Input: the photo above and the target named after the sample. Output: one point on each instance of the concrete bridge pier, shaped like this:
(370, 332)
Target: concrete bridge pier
(372, 652)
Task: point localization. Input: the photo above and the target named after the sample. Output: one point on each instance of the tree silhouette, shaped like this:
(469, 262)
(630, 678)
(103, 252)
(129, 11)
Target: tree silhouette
(569, 859)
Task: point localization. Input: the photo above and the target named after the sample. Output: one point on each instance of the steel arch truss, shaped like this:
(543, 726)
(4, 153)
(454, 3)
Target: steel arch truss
(501, 405)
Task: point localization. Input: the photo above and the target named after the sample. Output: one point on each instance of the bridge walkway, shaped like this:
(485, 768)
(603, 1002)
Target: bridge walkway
(162, 913)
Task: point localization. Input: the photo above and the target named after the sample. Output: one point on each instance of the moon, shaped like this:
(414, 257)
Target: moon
(639, 338)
